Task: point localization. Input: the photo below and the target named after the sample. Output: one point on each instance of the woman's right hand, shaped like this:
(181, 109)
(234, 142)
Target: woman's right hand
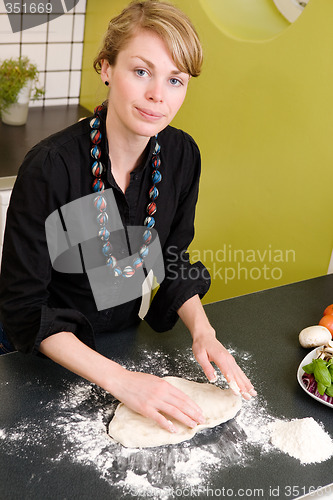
(146, 394)
(155, 398)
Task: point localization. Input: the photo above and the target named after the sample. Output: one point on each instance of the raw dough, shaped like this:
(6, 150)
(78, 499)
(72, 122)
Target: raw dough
(133, 430)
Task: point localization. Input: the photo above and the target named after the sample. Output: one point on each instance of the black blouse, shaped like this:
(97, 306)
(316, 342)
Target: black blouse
(37, 301)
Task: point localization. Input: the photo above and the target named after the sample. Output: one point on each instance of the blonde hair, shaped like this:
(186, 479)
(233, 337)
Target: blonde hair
(168, 22)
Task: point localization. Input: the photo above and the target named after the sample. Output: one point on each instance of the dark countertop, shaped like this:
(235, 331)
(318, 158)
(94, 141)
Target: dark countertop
(16, 141)
(52, 424)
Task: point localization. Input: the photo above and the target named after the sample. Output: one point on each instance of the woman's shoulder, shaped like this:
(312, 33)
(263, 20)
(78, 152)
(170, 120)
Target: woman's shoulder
(65, 146)
(178, 137)
(66, 137)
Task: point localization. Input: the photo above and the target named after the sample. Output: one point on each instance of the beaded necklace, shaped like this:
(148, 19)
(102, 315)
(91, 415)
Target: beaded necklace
(98, 186)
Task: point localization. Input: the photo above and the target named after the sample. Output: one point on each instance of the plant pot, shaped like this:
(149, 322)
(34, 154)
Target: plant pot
(17, 113)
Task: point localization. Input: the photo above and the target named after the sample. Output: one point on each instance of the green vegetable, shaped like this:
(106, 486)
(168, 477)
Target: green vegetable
(321, 373)
(321, 388)
(329, 390)
(330, 369)
(308, 368)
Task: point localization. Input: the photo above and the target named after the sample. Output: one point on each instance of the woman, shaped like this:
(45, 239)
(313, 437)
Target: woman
(150, 52)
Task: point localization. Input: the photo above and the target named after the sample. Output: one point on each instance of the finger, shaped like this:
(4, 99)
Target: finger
(240, 384)
(187, 407)
(235, 376)
(207, 367)
(162, 421)
(179, 415)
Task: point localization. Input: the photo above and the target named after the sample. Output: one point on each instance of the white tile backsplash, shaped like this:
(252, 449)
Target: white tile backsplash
(77, 49)
(9, 50)
(57, 102)
(56, 47)
(57, 84)
(75, 83)
(2, 7)
(78, 33)
(60, 29)
(36, 53)
(73, 100)
(37, 33)
(6, 34)
(81, 6)
(58, 56)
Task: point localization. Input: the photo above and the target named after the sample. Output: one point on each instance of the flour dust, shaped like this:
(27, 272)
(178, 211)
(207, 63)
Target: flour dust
(78, 430)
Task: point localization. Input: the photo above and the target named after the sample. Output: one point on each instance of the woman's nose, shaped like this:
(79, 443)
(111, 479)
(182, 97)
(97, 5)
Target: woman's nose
(155, 91)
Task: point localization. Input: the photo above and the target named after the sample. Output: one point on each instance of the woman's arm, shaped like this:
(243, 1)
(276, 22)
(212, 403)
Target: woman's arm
(206, 348)
(144, 393)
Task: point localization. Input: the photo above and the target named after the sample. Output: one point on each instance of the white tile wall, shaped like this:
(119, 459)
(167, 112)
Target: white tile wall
(38, 34)
(78, 28)
(57, 84)
(9, 50)
(58, 56)
(6, 31)
(37, 53)
(75, 81)
(77, 49)
(56, 47)
(60, 29)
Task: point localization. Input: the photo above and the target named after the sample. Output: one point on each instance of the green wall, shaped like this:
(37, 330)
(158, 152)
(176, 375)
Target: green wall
(262, 114)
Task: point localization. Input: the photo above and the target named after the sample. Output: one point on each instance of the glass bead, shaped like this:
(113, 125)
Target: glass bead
(102, 218)
(100, 202)
(137, 262)
(156, 161)
(95, 136)
(95, 152)
(149, 222)
(143, 252)
(156, 176)
(97, 168)
(98, 185)
(128, 272)
(111, 262)
(147, 236)
(151, 208)
(98, 109)
(153, 192)
(107, 249)
(104, 234)
(95, 122)
(117, 272)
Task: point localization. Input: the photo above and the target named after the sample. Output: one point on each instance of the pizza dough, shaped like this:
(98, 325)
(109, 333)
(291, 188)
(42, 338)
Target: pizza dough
(133, 430)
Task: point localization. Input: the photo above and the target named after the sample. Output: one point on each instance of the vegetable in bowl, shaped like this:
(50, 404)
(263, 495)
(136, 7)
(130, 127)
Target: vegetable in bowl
(318, 375)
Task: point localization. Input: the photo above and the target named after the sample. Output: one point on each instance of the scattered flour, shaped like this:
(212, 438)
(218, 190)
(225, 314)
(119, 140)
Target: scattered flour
(302, 438)
(80, 417)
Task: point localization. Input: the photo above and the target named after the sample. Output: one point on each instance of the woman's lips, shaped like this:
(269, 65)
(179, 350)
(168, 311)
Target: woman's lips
(150, 115)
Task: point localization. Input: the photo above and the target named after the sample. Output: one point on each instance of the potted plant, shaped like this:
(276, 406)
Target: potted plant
(18, 84)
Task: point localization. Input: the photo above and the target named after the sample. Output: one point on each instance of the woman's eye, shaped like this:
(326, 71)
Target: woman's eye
(141, 72)
(175, 82)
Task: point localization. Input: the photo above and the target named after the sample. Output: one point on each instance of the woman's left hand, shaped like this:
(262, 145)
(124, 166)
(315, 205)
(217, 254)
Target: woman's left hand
(207, 349)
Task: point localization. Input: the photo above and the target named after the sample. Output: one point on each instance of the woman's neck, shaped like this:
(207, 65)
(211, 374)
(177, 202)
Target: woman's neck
(126, 151)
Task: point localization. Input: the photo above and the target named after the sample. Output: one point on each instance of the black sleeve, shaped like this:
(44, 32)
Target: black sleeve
(41, 187)
(182, 279)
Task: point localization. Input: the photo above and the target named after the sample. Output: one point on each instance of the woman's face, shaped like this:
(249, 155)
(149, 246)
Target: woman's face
(146, 88)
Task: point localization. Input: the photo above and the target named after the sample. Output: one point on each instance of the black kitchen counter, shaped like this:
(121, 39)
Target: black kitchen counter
(41, 409)
(16, 141)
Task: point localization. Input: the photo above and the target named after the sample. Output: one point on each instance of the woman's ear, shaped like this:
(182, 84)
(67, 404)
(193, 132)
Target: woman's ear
(105, 72)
